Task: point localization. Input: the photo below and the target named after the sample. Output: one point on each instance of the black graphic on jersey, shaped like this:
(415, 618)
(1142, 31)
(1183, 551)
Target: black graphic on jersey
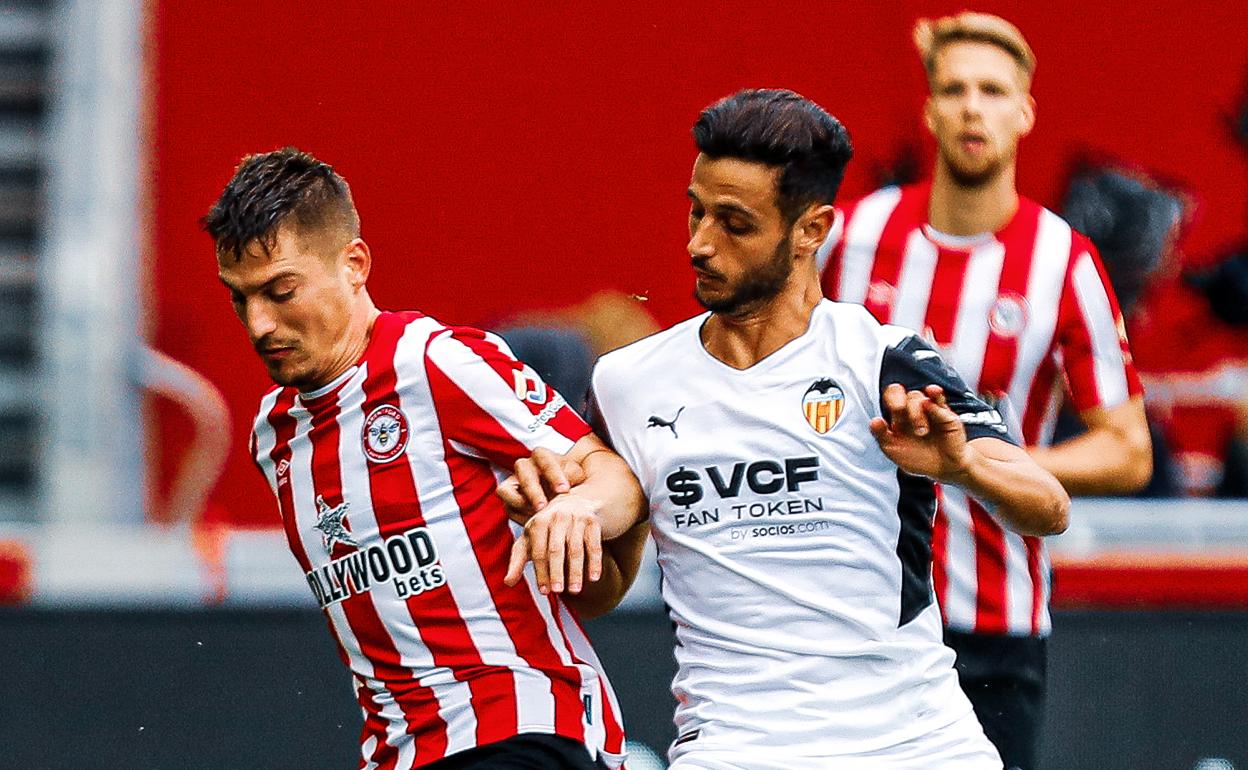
(658, 422)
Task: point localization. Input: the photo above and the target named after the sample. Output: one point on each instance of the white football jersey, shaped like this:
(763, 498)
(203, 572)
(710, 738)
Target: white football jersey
(796, 557)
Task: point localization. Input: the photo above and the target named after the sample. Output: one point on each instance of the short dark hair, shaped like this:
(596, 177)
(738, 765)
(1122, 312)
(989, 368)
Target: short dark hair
(784, 129)
(282, 187)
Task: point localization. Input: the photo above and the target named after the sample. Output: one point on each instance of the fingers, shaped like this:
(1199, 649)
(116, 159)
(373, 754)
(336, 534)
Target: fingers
(530, 483)
(519, 555)
(549, 467)
(537, 536)
(906, 410)
(517, 507)
(593, 549)
(576, 555)
(556, 547)
(915, 412)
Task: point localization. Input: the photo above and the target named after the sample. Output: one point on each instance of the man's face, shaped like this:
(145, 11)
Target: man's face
(739, 241)
(296, 304)
(978, 110)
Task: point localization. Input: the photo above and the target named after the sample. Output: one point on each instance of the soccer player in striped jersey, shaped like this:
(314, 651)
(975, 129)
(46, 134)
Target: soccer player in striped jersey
(383, 441)
(1017, 302)
(786, 446)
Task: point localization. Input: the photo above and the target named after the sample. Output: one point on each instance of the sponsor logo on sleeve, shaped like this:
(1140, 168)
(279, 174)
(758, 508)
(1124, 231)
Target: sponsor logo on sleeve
(822, 404)
(529, 386)
(385, 433)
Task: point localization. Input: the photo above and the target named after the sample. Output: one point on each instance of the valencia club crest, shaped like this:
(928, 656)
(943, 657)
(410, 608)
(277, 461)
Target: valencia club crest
(822, 404)
(385, 433)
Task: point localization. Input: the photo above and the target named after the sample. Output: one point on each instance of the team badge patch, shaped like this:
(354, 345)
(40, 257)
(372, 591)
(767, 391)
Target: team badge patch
(385, 434)
(1008, 315)
(822, 404)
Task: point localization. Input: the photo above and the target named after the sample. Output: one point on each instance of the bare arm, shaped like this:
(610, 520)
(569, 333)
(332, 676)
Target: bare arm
(1114, 456)
(923, 436)
(569, 505)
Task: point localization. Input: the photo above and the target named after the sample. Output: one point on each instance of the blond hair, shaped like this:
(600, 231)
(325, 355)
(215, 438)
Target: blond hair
(930, 35)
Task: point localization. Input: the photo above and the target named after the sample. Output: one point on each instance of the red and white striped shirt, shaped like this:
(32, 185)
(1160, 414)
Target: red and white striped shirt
(385, 481)
(1014, 312)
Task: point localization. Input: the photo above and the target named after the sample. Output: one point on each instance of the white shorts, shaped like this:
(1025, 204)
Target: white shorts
(958, 746)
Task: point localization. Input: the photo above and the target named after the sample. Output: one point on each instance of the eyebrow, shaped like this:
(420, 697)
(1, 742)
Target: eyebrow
(727, 206)
(261, 287)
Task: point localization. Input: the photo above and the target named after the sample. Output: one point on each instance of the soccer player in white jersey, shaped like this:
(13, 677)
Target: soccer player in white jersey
(383, 441)
(786, 445)
(1017, 303)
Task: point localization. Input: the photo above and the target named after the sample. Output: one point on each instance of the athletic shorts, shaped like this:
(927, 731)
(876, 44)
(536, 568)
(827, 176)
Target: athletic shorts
(527, 751)
(958, 746)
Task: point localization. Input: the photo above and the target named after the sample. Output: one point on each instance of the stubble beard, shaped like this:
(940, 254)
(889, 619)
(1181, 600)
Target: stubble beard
(756, 289)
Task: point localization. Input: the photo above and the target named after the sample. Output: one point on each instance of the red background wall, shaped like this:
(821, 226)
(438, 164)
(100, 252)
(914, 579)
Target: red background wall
(506, 157)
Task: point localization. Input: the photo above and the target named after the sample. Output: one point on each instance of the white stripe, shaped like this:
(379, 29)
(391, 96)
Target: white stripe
(467, 583)
(862, 236)
(585, 651)
(960, 569)
(1046, 589)
(366, 752)
(391, 609)
(266, 439)
(914, 284)
(1018, 592)
(980, 285)
(1109, 366)
(303, 497)
(493, 394)
(1045, 279)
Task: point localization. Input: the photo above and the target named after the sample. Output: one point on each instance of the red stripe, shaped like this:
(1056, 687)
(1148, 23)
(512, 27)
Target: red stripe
(565, 421)
(416, 702)
(1037, 581)
(490, 534)
(945, 299)
(940, 553)
(910, 210)
(614, 726)
(1001, 351)
(384, 755)
(1038, 401)
(443, 630)
(990, 610)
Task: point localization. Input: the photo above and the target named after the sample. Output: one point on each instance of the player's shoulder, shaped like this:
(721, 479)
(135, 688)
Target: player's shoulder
(849, 321)
(884, 202)
(649, 355)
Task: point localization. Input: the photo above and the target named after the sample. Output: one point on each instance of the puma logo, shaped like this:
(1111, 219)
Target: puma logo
(658, 422)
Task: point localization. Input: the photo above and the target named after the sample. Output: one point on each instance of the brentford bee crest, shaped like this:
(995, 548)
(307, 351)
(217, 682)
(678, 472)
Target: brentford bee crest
(385, 433)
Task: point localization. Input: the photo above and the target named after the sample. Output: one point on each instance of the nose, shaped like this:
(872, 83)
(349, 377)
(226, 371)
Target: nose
(259, 319)
(700, 245)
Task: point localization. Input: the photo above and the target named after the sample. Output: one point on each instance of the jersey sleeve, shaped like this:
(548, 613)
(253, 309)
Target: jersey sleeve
(492, 405)
(914, 365)
(1091, 336)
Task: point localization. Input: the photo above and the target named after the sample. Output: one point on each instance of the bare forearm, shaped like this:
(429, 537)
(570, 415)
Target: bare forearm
(621, 560)
(1025, 497)
(1097, 463)
(615, 492)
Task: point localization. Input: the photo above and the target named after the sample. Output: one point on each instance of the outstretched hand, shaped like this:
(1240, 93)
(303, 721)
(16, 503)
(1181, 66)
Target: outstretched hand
(562, 535)
(922, 434)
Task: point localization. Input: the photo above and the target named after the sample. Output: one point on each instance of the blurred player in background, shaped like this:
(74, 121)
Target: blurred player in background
(786, 445)
(1017, 302)
(381, 442)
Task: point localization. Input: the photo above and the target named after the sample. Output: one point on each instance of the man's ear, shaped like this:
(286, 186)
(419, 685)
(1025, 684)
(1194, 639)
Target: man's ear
(357, 261)
(811, 229)
(1029, 115)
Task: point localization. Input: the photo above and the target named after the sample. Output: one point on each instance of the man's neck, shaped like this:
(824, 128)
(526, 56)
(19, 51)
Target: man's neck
(958, 210)
(742, 341)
